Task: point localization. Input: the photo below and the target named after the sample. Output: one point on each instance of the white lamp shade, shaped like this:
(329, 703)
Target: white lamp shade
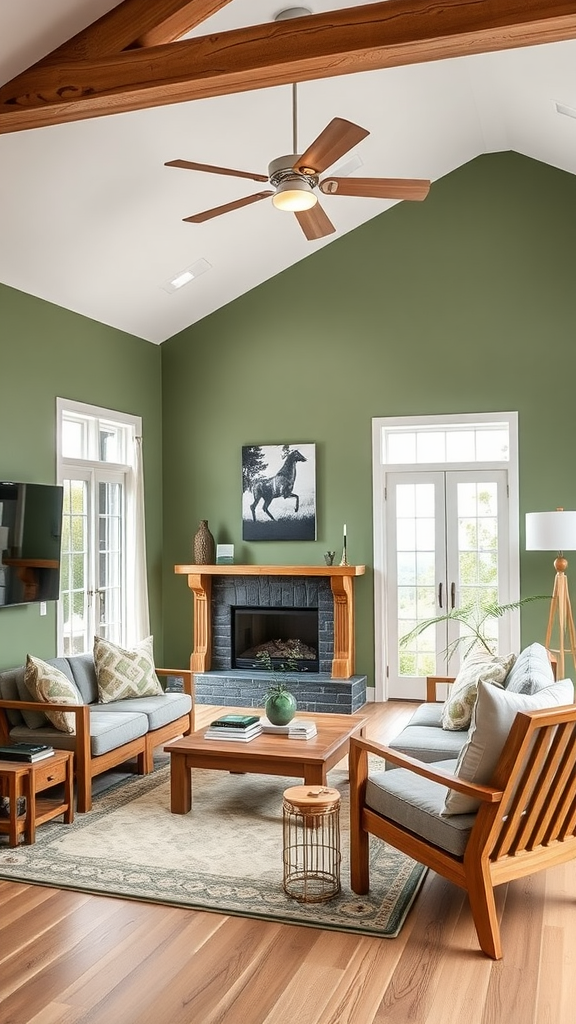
(551, 531)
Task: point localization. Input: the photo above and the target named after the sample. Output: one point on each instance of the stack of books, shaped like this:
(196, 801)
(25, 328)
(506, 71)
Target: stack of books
(234, 727)
(297, 729)
(28, 752)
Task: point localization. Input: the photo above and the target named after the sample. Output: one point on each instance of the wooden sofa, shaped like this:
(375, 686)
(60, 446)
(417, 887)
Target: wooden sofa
(106, 735)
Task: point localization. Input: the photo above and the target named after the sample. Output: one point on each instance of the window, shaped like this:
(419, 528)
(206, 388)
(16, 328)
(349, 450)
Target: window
(99, 466)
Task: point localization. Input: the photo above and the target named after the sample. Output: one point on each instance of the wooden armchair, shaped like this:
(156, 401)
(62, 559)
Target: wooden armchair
(526, 820)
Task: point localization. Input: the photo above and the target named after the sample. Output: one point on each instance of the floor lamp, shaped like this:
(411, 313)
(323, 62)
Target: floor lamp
(556, 531)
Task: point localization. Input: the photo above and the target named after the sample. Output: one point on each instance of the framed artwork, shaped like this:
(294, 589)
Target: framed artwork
(279, 492)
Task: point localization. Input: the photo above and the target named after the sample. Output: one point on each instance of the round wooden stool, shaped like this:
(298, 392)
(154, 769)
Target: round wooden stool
(311, 826)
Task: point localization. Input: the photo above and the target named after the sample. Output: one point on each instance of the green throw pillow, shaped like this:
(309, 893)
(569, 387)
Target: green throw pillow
(49, 685)
(459, 705)
(122, 674)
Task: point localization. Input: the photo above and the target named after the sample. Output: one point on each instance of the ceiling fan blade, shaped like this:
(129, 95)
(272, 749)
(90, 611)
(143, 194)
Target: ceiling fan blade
(376, 188)
(314, 222)
(216, 211)
(336, 139)
(190, 166)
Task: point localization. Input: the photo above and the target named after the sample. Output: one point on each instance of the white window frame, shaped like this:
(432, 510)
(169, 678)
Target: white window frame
(96, 470)
(379, 471)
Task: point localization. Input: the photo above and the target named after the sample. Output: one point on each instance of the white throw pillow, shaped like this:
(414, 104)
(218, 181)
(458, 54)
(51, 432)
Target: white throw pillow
(459, 705)
(48, 684)
(122, 674)
(492, 720)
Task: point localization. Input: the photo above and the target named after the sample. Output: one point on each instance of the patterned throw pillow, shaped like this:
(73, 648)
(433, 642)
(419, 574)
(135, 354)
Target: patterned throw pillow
(459, 705)
(49, 685)
(123, 674)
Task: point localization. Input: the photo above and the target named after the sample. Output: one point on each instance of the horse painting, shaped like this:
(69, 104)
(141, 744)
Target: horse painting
(279, 486)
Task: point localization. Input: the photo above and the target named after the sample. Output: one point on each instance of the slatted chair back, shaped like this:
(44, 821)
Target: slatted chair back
(537, 773)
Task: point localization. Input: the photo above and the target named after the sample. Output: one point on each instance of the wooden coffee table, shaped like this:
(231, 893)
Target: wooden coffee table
(268, 754)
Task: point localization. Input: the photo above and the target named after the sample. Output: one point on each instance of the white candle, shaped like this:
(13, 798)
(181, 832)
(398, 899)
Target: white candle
(344, 529)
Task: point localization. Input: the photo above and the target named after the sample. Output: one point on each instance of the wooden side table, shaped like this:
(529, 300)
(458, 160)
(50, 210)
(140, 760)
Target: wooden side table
(22, 779)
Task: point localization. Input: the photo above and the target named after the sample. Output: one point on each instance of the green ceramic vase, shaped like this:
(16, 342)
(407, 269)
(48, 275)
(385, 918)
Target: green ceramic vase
(280, 707)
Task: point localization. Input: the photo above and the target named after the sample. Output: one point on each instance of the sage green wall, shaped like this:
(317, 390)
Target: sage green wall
(48, 352)
(463, 303)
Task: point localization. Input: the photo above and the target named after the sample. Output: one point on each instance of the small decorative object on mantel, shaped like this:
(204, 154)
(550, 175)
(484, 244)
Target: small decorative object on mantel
(204, 545)
(224, 554)
(329, 557)
(344, 559)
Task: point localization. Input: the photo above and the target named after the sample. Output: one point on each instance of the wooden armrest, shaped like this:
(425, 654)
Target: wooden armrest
(487, 794)
(32, 705)
(432, 683)
(183, 673)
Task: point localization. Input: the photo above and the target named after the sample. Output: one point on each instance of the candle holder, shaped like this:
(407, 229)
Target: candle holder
(344, 559)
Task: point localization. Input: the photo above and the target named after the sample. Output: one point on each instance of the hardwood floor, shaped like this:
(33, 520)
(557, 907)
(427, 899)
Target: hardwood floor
(68, 957)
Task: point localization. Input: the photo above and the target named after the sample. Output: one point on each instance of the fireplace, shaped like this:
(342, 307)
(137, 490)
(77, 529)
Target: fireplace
(277, 638)
(326, 591)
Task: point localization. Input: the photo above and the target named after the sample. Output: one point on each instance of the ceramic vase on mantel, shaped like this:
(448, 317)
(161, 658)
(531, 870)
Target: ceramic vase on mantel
(204, 545)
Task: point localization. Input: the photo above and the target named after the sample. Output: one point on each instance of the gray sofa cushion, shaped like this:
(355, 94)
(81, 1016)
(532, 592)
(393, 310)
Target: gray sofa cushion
(417, 804)
(428, 742)
(84, 675)
(9, 691)
(532, 671)
(159, 711)
(106, 732)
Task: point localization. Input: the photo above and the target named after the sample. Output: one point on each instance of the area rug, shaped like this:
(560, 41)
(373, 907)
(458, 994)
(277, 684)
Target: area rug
(224, 856)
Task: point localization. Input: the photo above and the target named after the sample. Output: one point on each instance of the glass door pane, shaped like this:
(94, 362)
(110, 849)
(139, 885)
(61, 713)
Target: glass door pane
(416, 586)
(110, 561)
(477, 544)
(74, 605)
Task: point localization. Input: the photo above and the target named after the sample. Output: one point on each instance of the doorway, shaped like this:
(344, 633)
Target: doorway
(446, 536)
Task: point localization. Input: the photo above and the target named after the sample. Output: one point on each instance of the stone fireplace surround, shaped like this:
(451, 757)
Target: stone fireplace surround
(335, 688)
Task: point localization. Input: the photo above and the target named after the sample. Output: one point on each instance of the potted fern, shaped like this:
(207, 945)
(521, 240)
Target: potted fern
(474, 619)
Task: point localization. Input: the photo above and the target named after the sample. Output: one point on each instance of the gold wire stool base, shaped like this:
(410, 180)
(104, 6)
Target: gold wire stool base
(311, 832)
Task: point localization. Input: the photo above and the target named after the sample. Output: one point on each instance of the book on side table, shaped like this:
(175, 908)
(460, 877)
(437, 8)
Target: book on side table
(234, 727)
(27, 752)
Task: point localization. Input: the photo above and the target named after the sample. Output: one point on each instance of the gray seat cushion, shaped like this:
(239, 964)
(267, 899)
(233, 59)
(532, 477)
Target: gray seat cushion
(428, 742)
(428, 714)
(417, 804)
(159, 710)
(106, 732)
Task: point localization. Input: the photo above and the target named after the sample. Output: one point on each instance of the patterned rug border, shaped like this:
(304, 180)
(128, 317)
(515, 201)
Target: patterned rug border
(44, 864)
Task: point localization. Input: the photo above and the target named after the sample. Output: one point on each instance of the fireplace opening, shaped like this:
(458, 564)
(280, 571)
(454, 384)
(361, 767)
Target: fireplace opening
(286, 635)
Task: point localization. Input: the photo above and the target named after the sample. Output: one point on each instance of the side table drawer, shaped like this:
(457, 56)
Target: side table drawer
(48, 774)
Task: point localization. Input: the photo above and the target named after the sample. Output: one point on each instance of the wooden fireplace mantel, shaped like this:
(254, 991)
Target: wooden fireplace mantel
(341, 582)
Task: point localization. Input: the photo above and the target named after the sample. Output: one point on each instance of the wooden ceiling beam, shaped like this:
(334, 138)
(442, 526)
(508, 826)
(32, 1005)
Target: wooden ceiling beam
(134, 23)
(358, 39)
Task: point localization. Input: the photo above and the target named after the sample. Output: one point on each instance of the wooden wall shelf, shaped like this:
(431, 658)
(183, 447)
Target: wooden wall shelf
(341, 582)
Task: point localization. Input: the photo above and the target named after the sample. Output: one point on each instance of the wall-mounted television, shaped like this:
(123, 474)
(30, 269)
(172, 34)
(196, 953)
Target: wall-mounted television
(30, 542)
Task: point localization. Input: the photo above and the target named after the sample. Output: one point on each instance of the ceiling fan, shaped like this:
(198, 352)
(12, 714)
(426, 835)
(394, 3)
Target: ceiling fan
(295, 176)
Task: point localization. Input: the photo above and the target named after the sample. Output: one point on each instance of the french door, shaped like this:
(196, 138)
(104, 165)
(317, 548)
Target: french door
(92, 594)
(446, 546)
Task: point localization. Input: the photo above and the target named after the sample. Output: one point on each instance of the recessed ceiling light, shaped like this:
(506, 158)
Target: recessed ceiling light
(185, 276)
(561, 108)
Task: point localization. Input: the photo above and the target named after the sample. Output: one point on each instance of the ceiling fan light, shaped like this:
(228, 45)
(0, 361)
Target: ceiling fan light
(294, 196)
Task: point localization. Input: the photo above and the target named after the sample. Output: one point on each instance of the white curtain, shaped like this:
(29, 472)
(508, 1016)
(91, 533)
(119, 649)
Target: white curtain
(138, 614)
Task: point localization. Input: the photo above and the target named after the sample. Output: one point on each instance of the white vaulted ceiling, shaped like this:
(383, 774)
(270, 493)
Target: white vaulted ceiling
(91, 219)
